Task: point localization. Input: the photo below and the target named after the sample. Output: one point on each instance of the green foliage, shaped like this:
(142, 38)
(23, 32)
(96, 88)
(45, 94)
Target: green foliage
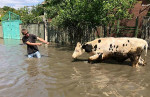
(7, 8)
(37, 10)
(83, 13)
(28, 15)
(148, 14)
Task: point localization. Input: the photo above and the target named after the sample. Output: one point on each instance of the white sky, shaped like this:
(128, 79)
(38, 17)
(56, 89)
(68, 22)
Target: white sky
(19, 3)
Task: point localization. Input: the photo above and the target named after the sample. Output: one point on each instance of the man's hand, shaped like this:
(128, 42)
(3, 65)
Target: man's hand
(39, 44)
(42, 40)
(47, 43)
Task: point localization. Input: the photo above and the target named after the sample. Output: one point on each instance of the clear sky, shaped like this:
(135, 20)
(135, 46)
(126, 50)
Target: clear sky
(19, 3)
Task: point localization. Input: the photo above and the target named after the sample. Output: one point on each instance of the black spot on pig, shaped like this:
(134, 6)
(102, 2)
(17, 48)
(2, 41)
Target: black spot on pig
(117, 46)
(110, 45)
(88, 48)
(95, 47)
(99, 41)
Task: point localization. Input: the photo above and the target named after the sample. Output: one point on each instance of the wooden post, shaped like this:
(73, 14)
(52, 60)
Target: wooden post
(136, 26)
(46, 33)
(9, 16)
(45, 28)
(105, 30)
(118, 26)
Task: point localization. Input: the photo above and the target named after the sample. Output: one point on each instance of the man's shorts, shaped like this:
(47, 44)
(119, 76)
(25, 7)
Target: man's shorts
(36, 54)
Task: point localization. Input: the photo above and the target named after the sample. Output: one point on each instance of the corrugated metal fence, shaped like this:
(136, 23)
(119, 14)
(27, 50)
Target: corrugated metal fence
(146, 29)
(37, 29)
(69, 36)
(57, 35)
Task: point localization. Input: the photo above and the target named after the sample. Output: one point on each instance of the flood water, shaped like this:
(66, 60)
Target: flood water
(57, 75)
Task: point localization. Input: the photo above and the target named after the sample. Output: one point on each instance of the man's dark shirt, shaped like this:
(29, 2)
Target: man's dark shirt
(30, 48)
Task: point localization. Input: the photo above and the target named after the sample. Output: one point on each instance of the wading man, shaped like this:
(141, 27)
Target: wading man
(30, 41)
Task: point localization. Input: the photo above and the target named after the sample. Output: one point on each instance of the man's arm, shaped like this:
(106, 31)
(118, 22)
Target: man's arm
(42, 40)
(29, 43)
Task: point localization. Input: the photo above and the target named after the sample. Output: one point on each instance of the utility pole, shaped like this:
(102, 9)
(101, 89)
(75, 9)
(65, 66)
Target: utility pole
(45, 28)
(45, 24)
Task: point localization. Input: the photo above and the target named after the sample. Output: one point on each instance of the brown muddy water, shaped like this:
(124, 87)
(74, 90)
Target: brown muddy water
(57, 75)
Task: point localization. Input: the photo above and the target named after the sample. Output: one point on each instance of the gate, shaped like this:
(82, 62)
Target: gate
(10, 25)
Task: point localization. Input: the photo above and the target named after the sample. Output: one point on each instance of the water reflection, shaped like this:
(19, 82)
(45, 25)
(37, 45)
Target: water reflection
(35, 82)
(32, 69)
(11, 42)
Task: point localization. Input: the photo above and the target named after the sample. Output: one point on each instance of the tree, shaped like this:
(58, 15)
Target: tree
(7, 8)
(38, 10)
(30, 15)
(80, 14)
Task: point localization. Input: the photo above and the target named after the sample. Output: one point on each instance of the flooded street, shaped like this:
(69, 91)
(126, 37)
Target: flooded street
(57, 75)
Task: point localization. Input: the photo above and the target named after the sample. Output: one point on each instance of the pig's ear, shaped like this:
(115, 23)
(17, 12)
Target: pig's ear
(78, 44)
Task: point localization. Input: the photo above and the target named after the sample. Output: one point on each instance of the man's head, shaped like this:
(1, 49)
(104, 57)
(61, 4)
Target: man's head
(25, 32)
